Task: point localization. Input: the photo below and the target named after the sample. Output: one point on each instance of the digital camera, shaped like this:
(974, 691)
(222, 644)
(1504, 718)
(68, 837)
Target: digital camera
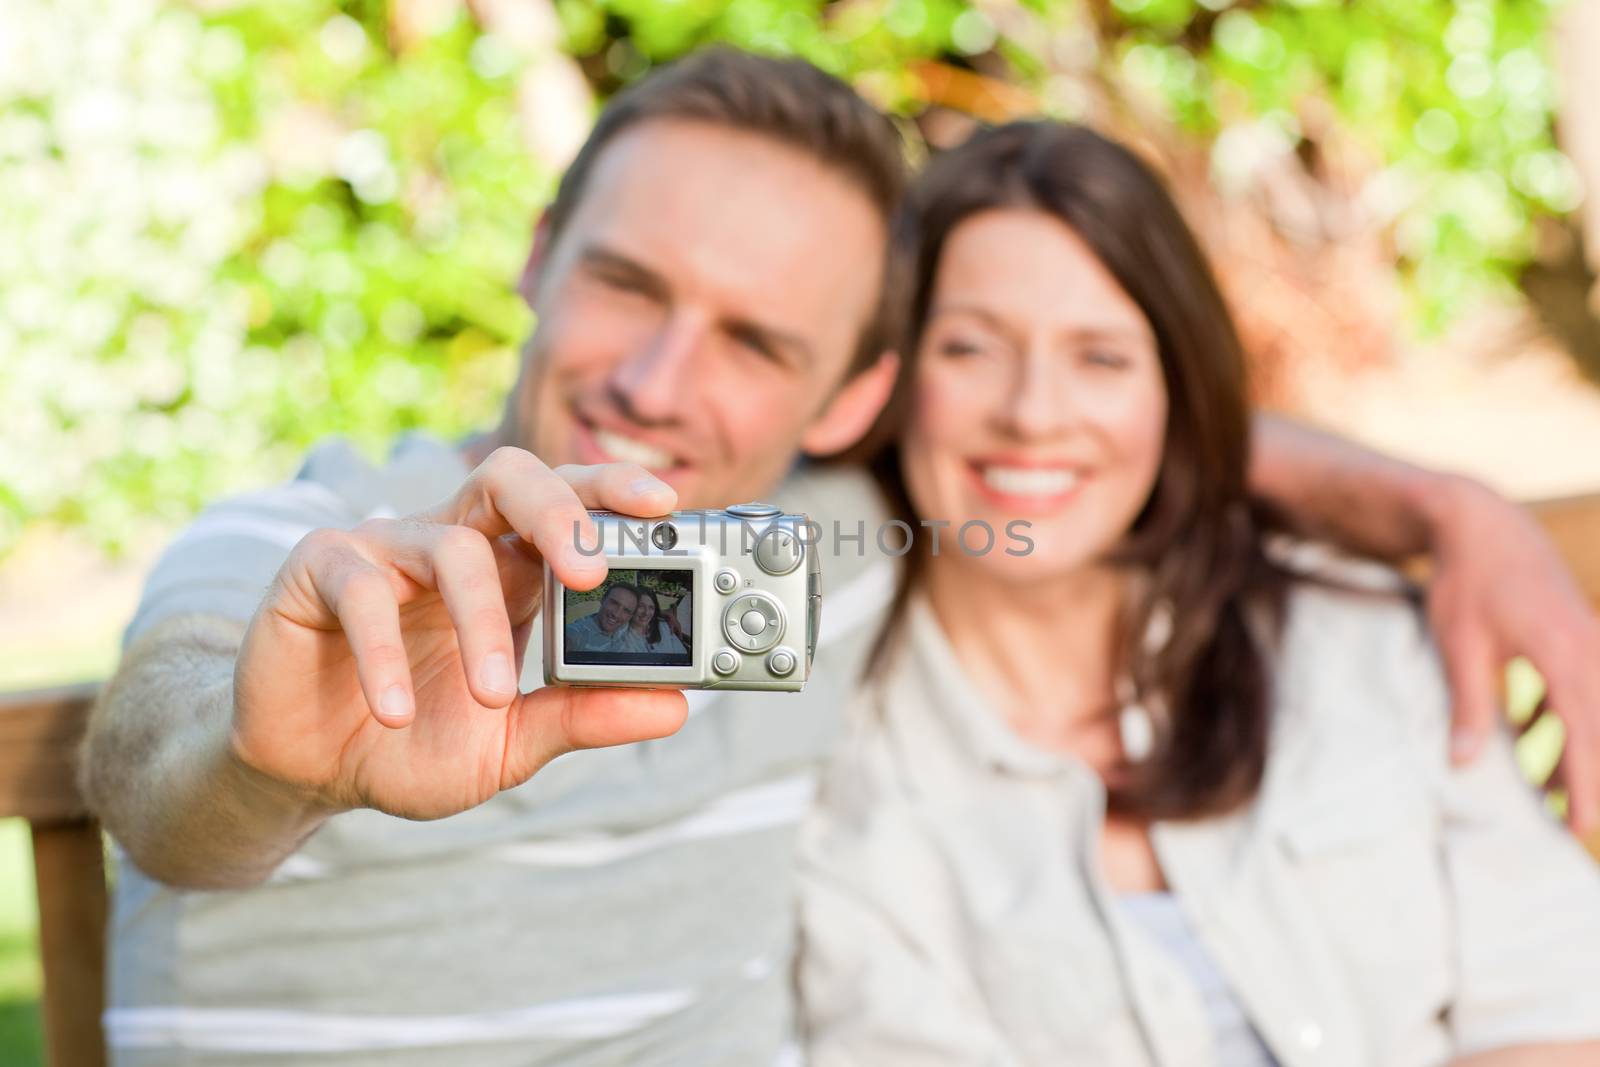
(710, 599)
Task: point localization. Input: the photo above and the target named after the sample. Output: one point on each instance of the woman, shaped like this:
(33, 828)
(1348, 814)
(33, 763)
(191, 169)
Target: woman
(650, 630)
(1140, 795)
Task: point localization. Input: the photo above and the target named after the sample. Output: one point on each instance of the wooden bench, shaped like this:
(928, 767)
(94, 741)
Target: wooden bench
(39, 736)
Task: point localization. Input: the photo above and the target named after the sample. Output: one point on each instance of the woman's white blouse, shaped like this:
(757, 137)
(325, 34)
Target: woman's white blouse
(1372, 906)
(1234, 1040)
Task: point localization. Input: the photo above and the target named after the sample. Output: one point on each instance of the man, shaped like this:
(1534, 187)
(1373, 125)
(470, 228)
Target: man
(607, 629)
(708, 289)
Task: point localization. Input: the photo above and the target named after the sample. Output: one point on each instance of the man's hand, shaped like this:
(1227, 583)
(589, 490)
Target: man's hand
(1501, 590)
(381, 669)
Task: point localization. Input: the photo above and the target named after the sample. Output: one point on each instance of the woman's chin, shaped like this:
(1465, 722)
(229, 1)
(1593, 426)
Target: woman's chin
(1028, 564)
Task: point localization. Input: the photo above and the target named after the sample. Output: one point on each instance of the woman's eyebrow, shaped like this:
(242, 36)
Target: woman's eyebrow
(1110, 332)
(989, 317)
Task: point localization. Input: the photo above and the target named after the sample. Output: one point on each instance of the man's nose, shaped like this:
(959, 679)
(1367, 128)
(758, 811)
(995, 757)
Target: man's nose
(652, 383)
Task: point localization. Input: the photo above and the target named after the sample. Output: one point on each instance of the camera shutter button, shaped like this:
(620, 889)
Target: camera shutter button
(753, 510)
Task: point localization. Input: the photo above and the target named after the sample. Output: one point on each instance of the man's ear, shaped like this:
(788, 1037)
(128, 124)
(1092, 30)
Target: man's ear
(537, 252)
(850, 414)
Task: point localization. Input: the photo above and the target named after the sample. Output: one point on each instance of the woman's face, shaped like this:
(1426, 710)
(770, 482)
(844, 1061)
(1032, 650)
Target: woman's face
(1038, 395)
(644, 613)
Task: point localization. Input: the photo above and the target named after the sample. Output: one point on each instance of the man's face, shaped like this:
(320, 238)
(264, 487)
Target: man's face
(616, 610)
(698, 310)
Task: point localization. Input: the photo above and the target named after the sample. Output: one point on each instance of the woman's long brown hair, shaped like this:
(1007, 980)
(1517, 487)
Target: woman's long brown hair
(1198, 537)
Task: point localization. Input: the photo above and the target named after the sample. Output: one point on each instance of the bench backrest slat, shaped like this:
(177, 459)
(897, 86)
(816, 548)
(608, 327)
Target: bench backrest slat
(39, 736)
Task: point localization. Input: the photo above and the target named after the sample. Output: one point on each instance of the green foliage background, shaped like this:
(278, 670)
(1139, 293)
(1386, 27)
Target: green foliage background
(182, 311)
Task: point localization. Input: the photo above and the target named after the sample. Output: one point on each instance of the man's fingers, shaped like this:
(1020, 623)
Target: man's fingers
(1572, 687)
(563, 532)
(462, 565)
(521, 577)
(622, 487)
(512, 491)
(1572, 693)
(469, 583)
(361, 598)
(552, 721)
(1473, 672)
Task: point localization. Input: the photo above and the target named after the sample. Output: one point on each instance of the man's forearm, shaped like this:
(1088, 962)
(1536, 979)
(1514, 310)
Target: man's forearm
(159, 770)
(1338, 491)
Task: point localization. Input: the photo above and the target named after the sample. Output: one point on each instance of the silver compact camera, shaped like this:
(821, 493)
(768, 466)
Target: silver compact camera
(710, 599)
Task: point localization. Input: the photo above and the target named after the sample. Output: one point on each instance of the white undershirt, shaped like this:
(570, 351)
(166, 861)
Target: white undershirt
(1236, 1040)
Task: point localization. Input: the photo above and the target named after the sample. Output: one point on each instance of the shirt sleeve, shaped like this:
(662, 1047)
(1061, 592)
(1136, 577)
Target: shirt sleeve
(882, 981)
(1527, 908)
(224, 562)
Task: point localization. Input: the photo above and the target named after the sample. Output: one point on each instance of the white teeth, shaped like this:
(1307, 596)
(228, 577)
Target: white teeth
(1029, 481)
(627, 450)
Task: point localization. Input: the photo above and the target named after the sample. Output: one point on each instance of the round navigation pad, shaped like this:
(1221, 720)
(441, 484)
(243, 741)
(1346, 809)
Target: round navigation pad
(753, 622)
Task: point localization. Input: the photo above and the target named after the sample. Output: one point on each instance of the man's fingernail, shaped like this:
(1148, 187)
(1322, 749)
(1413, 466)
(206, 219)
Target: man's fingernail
(648, 484)
(1463, 745)
(496, 675)
(394, 704)
(577, 559)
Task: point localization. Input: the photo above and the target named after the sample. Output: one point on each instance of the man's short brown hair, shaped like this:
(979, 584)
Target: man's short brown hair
(787, 100)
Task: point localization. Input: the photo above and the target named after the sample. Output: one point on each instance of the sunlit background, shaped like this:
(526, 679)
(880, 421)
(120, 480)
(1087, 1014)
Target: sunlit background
(228, 229)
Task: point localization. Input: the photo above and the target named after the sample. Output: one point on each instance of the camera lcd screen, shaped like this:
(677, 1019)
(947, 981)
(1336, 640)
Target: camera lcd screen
(635, 618)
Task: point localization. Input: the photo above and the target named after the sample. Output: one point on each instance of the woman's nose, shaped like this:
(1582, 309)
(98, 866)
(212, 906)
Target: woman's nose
(1038, 402)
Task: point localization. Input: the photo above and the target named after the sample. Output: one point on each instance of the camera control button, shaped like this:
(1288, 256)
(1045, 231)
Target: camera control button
(781, 662)
(778, 551)
(753, 622)
(753, 511)
(725, 662)
(727, 580)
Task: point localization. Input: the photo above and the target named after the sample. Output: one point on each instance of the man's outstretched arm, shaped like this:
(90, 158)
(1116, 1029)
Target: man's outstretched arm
(1500, 588)
(377, 672)
(160, 771)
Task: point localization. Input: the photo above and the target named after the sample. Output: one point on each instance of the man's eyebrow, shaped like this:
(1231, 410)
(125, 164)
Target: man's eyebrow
(620, 265)
(772, 339)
